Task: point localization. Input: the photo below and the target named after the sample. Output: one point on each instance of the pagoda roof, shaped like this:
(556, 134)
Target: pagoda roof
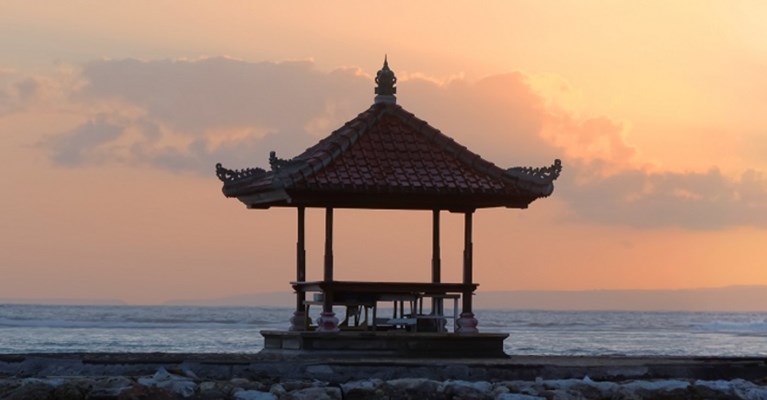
(387, 158)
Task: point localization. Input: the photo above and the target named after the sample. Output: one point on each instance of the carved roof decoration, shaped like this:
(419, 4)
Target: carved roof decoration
(388, 158)
(385, 79)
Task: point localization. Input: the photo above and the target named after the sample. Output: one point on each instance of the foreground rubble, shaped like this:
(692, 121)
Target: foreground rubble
(255, 377)
(164, 384)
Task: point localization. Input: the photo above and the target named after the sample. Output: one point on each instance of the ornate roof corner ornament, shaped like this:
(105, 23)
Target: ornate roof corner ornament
(543, 174)
(277, 163)
(385, 80)
(231, 175)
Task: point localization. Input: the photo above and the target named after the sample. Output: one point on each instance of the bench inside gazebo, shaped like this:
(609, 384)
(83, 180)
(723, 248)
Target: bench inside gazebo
(386, 158)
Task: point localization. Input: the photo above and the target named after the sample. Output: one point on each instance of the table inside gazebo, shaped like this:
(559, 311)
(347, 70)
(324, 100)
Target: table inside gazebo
(362, 296)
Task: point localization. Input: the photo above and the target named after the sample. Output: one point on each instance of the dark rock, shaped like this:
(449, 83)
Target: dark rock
(517, 396)
(140, 392)
(369, 389)
(254, 395)
(248, 384)
(109, 388)
(465, 390)
(278, 390)
(8, 385)
(31, 391)
(294, 385)
(623, 394)
(411, 388)
(713, 390)
(315, 393)
(213, 391)
(456, 372)
(547, 394)
(703, 392)
(73, 390)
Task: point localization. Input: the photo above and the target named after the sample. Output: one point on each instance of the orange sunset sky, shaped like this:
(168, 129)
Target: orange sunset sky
(113, 115)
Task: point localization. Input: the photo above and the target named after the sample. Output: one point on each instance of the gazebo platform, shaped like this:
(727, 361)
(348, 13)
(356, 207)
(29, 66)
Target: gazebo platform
(386, 344)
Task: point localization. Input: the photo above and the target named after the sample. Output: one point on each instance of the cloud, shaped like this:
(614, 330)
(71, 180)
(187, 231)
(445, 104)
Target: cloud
(694, 200)
(499, 116)
(194, 96)
(15, 91)
(185, 116)
(22, 92)
(599, 141)
(88, 143)
(188, 115)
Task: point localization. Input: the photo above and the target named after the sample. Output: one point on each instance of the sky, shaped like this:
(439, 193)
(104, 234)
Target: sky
(114, 114)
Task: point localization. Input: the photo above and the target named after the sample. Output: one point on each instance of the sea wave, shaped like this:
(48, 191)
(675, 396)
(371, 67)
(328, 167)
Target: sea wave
(26, 328)
(145, 324)
(744, 328)
(138, 317)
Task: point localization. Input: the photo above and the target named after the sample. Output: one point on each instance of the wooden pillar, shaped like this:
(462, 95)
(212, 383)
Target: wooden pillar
(328, 269)
(467, 323)
(328, 321)
(436, 262)
(468, 266)
(298, 322)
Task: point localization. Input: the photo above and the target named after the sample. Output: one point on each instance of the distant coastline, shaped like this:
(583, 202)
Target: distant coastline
(64, 301)
(722, 299)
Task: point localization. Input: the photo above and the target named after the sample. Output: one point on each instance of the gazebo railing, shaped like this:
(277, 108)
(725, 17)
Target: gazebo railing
(356, 294)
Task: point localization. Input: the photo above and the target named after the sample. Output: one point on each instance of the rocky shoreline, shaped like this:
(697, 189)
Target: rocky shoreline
(300, 376)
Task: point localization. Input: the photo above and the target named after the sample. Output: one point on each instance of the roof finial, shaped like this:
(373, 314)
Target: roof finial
(386, 80)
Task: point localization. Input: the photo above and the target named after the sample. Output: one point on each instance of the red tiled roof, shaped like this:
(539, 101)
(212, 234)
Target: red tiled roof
(386, 157)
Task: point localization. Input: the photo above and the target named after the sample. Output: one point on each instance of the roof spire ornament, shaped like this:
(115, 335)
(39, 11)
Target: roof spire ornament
(385, 80)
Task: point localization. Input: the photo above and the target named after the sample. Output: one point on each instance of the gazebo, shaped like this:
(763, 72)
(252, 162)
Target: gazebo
(385, 158)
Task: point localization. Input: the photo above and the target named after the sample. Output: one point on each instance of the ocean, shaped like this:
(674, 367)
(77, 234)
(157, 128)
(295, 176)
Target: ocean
(186, 329)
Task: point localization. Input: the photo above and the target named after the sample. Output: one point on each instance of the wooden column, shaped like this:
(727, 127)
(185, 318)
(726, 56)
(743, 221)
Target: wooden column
(436, 262)
(328, 269)
(468, 266)
(298, 322)
(467, 323)
(328, 321)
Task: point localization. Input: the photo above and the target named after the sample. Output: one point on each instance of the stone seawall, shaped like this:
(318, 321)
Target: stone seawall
(262, 376)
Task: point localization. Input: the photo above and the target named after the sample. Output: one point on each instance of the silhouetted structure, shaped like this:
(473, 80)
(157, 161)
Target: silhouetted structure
(386, 158)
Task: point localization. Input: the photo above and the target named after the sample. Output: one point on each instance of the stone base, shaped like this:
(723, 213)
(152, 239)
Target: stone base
(467, 323)
(327, 322)
(387, 344)
(298, 321)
